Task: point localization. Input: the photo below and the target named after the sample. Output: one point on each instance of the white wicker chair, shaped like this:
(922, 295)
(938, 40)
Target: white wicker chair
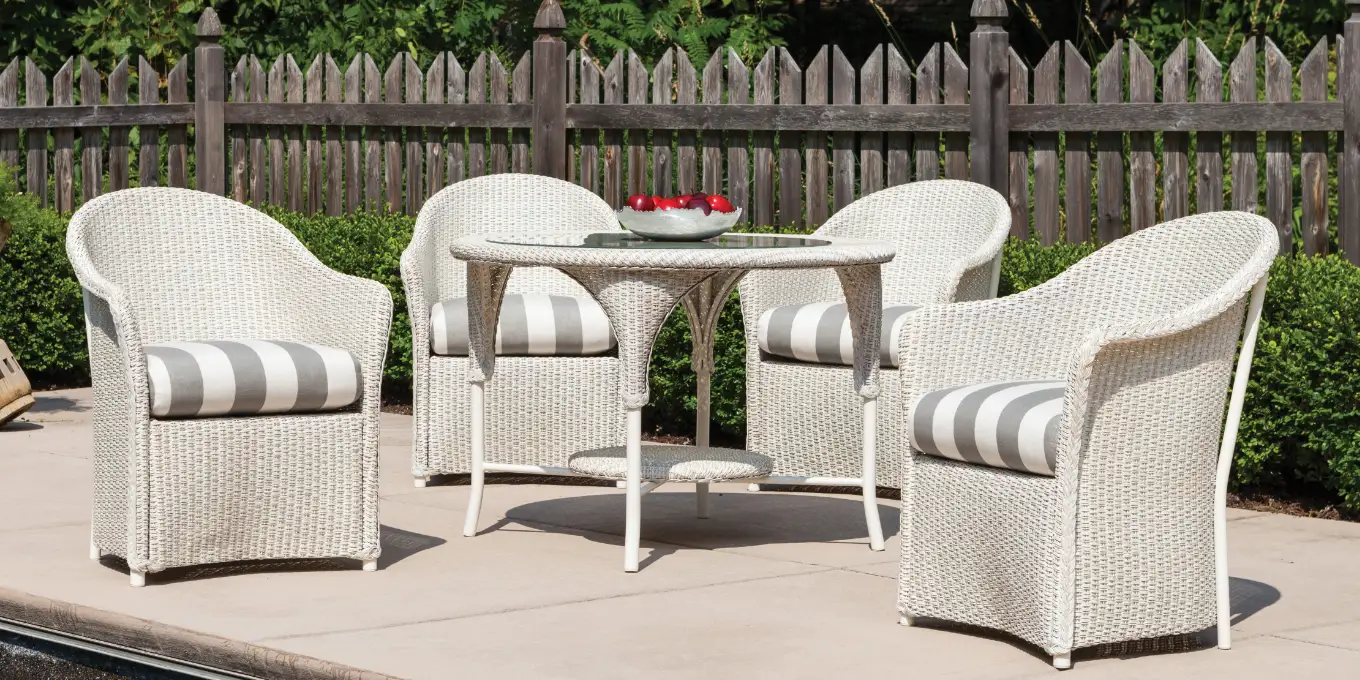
(949, 236)
(540, 409)
(1126, 539)
(163, 265)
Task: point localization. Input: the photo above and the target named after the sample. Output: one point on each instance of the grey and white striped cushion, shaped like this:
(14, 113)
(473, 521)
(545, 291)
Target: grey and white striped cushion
(530, 325)
(249, 377)
(1012, 425)
(819, 333)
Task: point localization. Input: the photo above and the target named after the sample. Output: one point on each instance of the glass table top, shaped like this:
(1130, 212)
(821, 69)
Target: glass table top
(626, 240)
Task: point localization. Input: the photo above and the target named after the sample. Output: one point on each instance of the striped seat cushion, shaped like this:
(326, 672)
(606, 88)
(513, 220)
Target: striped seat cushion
(249, 377)
(530, 325)
(819, 333)
(1011, 425)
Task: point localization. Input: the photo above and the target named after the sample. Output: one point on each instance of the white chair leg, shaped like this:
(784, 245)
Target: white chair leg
(701, 500)
(632, 533)
(1062, 661)
(753, 487)
(95, 552)
(478, 459)
(138, 578)
(869, 481)
(422, 482)
(370, 565)
(906, 620)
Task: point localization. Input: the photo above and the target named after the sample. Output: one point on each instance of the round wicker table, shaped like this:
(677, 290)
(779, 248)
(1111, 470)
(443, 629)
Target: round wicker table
(638, 282)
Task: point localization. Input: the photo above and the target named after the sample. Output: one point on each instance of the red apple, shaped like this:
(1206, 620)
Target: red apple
(683, 199)
(699, 204)
(667, 204)
(720, 204)
(699, 195)
(641, 203)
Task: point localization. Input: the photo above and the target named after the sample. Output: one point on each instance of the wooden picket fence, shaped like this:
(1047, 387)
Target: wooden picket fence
(790, 143)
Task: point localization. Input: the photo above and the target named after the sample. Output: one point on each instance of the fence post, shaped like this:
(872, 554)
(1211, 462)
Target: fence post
(210, 140)
(550, 92)
(989, 94)
(1349, 227)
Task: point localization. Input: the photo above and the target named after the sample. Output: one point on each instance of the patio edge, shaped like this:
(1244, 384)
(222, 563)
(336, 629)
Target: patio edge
(170, 642)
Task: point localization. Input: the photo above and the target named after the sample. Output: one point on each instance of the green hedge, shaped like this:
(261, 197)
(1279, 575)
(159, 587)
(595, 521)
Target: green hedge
(1300, 432)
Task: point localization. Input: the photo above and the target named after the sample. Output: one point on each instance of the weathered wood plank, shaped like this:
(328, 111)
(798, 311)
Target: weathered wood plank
(259, 171)
(434, 137)
(316, 75)
(1208, 143)
(500, 94)
(928, 93)
(955, 92)
(637, 138)
(1176, 145)
(816, 91)
(713, 147)
(177, 136)
(1314, 166)
(296, 197)
(1142, 162)
(1348, 143)
(1279, 148)
(456, 151)
(790, 144)
(573, 96)
(63, 158)
(237, 83)
(35, 96)
(1169, 117)
(118, 134)
(738, 158)
(762, 146)
(613, 137)
(9, 98)
(1110, 150)
(373, 176)
(590, 139)
(354, 160)
(335, 94)
(522, 89)
(842, 143)
(1018, 171)
(871, 143)
(1077, 149)
(663, 77)
(476, 94)
(686, 154)
(91, 138)
(392, 134)
(1242, 88)
(415, 166)
(1046, 91)
(148, 136)
(278, 94)
(899, 93)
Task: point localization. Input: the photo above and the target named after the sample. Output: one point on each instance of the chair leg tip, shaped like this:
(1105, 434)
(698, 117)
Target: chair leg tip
(422, 482)
(905, 620)
(370, 565)
(95, 552)
(1062, 662)
(753, 487)
(138, 578)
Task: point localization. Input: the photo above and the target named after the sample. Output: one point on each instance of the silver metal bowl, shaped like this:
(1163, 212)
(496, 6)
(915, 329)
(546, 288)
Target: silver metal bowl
(677, 224)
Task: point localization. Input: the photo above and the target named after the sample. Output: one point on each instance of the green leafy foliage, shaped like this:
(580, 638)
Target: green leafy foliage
(1300, 429)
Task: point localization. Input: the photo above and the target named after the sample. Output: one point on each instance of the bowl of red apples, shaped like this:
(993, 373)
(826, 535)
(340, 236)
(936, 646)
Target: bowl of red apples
(687, 217)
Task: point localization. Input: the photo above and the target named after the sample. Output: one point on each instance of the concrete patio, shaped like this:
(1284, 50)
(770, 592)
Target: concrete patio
(774, 585)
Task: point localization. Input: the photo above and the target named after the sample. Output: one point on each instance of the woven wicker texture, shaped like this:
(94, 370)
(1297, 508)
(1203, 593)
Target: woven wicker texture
(673, 464)
(948, 236)
(162, 265)
(543, 408)
(1119, 545)
(638, 288)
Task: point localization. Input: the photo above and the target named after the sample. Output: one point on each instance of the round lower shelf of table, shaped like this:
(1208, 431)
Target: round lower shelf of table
(662, 463)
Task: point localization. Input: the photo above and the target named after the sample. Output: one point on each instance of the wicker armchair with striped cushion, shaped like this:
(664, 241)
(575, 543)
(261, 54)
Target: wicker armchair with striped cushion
(236, 385)
(556, 387)
(949, 236)
(1069, 456)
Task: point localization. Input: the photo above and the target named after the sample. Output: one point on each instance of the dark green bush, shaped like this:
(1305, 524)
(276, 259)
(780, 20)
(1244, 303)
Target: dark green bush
(1300, 430)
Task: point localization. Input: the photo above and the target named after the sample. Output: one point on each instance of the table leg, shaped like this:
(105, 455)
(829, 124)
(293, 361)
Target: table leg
(869, 474)
(478, 476)
(863, 286)
(703, 381)
(703, 305)
(632, 532)
(486, 288)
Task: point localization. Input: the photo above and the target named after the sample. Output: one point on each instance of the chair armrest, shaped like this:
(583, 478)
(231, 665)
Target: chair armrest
(418, 278)
(348, 312)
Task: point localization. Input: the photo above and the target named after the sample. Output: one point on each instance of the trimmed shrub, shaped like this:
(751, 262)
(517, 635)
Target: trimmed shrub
(1300, 430)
